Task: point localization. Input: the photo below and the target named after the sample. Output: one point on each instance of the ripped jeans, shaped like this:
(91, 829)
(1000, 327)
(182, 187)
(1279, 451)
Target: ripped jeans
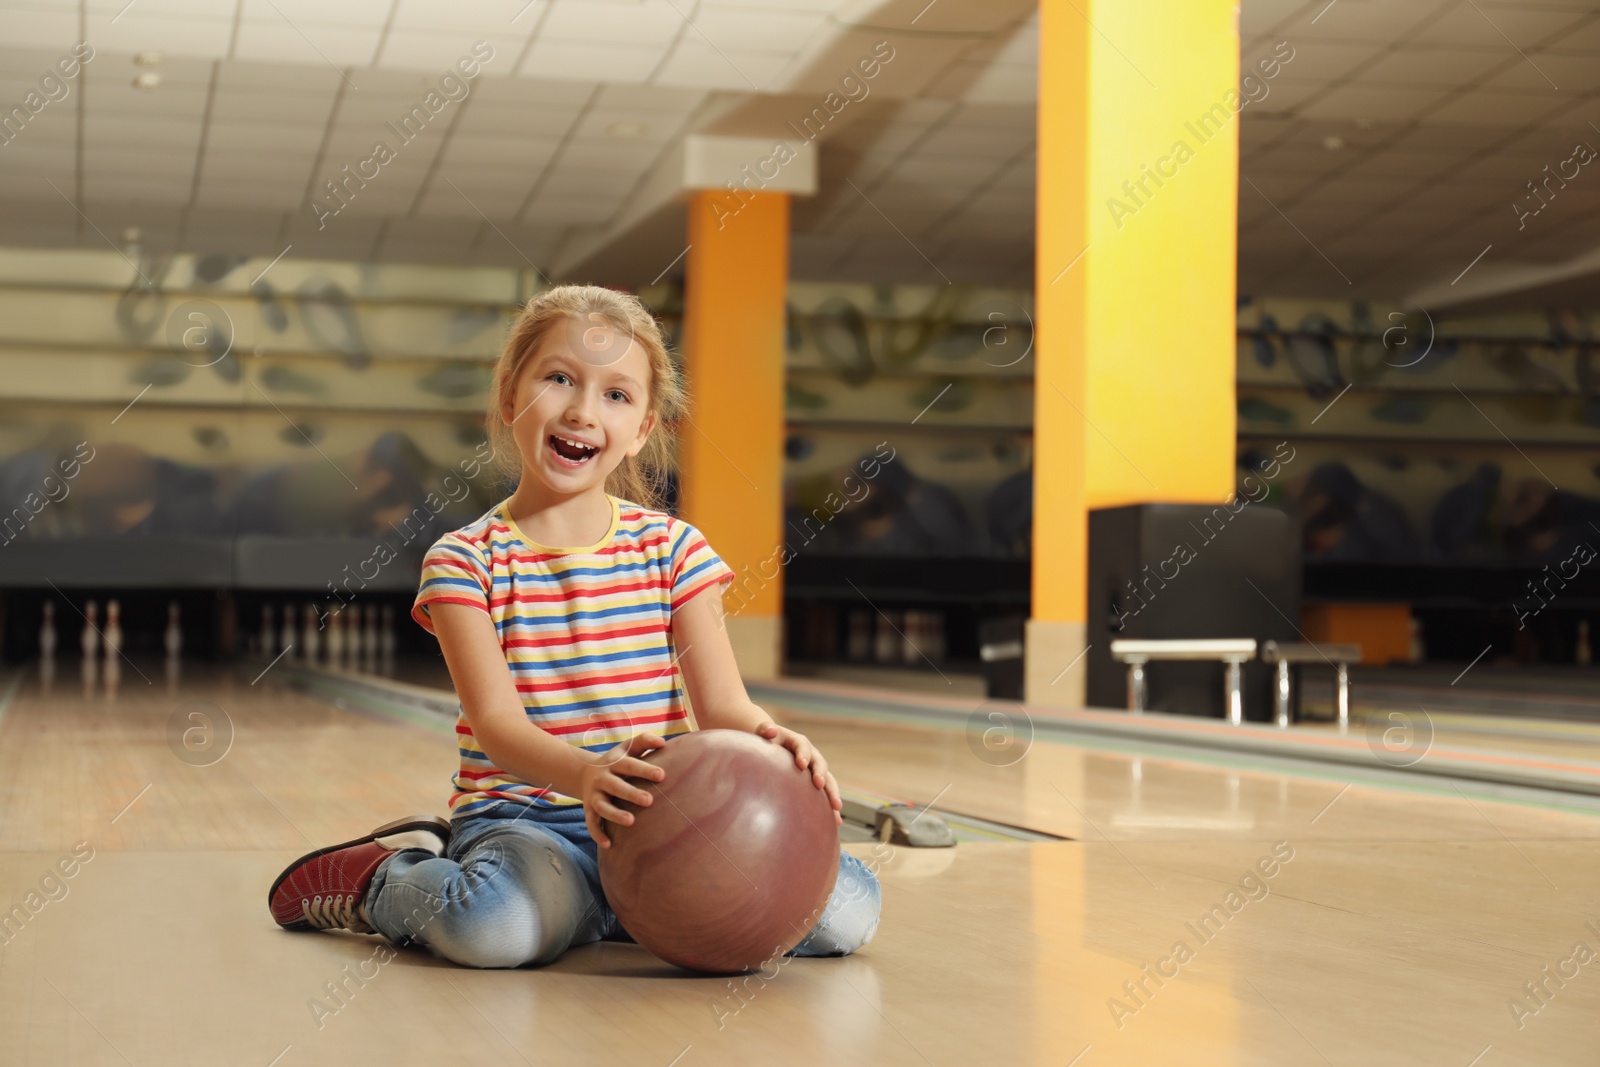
(521, 885)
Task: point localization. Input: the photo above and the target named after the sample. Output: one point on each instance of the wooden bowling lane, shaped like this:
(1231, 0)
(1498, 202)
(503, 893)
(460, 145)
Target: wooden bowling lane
(1398, 931)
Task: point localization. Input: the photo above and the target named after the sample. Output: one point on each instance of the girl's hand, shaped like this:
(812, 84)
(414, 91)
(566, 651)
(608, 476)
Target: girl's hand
(606, 777)
(806, 757)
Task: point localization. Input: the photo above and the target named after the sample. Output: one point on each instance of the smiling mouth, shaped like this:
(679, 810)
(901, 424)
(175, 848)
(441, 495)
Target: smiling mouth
(571, 453)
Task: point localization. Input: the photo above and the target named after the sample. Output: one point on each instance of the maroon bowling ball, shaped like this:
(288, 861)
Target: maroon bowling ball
(731, 863)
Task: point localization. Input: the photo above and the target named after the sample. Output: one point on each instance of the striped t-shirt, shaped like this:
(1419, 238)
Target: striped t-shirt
(586, 632)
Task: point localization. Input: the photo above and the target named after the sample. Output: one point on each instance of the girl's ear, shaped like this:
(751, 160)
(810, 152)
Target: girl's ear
(508, 406)
(645, 427)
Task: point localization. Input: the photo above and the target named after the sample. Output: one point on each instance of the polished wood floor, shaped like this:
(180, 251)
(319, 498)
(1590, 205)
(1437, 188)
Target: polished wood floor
(1395, 928)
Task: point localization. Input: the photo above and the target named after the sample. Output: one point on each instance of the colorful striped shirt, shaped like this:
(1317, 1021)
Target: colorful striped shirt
(585, 631)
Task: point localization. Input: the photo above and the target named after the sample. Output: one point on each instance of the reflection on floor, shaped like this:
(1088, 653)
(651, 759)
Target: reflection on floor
(1200, 915)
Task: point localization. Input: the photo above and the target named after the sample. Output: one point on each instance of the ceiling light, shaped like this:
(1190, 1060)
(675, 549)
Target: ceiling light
(627, 129)
(146, 80)
(1333, 142)
(148, 59)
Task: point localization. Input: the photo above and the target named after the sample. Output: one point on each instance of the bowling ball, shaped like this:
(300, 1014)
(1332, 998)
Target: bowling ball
(732, 861)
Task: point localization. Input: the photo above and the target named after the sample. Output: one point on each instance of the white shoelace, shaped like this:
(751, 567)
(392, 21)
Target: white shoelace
(333, 912)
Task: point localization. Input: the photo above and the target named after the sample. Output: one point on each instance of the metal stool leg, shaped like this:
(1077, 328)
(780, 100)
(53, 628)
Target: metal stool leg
(1233, 692)
(1280, 696)
(1136, 687)
(1341, 696)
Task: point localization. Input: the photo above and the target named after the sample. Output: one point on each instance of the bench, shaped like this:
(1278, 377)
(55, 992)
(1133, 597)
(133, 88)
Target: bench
(1233, 651)
(1286, 655)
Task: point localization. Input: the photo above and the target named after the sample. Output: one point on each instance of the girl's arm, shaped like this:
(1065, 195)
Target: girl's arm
(494, 710)
(717, 693)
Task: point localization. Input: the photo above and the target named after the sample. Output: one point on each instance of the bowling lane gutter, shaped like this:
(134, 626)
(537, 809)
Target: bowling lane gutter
(1564, 784)
(1489, 775)
(10, 693)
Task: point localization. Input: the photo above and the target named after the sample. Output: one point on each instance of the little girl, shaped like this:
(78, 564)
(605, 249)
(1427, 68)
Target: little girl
(573, 617)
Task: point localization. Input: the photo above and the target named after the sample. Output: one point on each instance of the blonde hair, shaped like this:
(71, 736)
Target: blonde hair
(640, 479)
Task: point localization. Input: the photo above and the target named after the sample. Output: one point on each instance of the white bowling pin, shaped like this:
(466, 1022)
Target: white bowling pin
(89, 641)
(47, 631)
(911, 648)
(287, 636)
(369, 634)
(172, 639)
(886, 649)
(859, 646)
(113, 632)
(308, 634)
(386, 638)
(268, 638)
(335, 639)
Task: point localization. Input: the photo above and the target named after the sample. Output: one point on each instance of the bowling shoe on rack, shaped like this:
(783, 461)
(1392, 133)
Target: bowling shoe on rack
(323, 890)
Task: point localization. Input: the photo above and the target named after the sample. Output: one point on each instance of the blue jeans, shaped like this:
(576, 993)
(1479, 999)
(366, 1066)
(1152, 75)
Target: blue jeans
(522, 885)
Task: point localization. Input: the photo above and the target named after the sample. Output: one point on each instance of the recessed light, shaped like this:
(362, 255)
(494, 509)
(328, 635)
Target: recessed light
(1333, 142)
(627, 129)
(148, 59)
(147, 80)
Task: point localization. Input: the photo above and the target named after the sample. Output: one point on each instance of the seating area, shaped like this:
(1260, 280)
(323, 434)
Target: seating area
(1234, 653)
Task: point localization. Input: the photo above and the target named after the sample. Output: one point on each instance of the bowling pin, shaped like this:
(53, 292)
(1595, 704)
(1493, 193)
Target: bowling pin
(286, 636)
(308, 634)
(172, 639)
(911, 645)
(113, 633)
(268, 638)
(887, 646)
(386, 639)
(335, 639)
(89, 641)
(47, 632)
(369, 637)
(935, 648)
(113, 676)
(859, 645)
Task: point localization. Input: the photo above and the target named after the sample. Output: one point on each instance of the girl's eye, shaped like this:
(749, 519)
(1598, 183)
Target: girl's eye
(560, 378)
(617, 395)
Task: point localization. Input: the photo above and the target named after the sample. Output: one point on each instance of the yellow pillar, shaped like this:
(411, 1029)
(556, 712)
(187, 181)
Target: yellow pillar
(1134, 276)
(731, 445)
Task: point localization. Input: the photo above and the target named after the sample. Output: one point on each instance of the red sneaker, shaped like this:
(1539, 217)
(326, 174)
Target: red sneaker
(323, 890)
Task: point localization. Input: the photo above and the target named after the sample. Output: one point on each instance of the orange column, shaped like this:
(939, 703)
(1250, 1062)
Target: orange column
(731, 444)
(1134, 287)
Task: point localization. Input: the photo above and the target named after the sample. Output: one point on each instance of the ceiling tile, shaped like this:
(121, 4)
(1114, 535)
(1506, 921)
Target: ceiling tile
(1545, 72)
(591, 62)
(754, 29)
(1430, 65)
(653, 23)
(282, 42)
(1356, 102)
(695, 63)
(1497, 108)
(1315, 57)
(1508, 28)
(1379, 21)
(116, 38)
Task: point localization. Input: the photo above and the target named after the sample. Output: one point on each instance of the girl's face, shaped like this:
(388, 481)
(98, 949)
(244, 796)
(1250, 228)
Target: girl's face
(580, 406)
